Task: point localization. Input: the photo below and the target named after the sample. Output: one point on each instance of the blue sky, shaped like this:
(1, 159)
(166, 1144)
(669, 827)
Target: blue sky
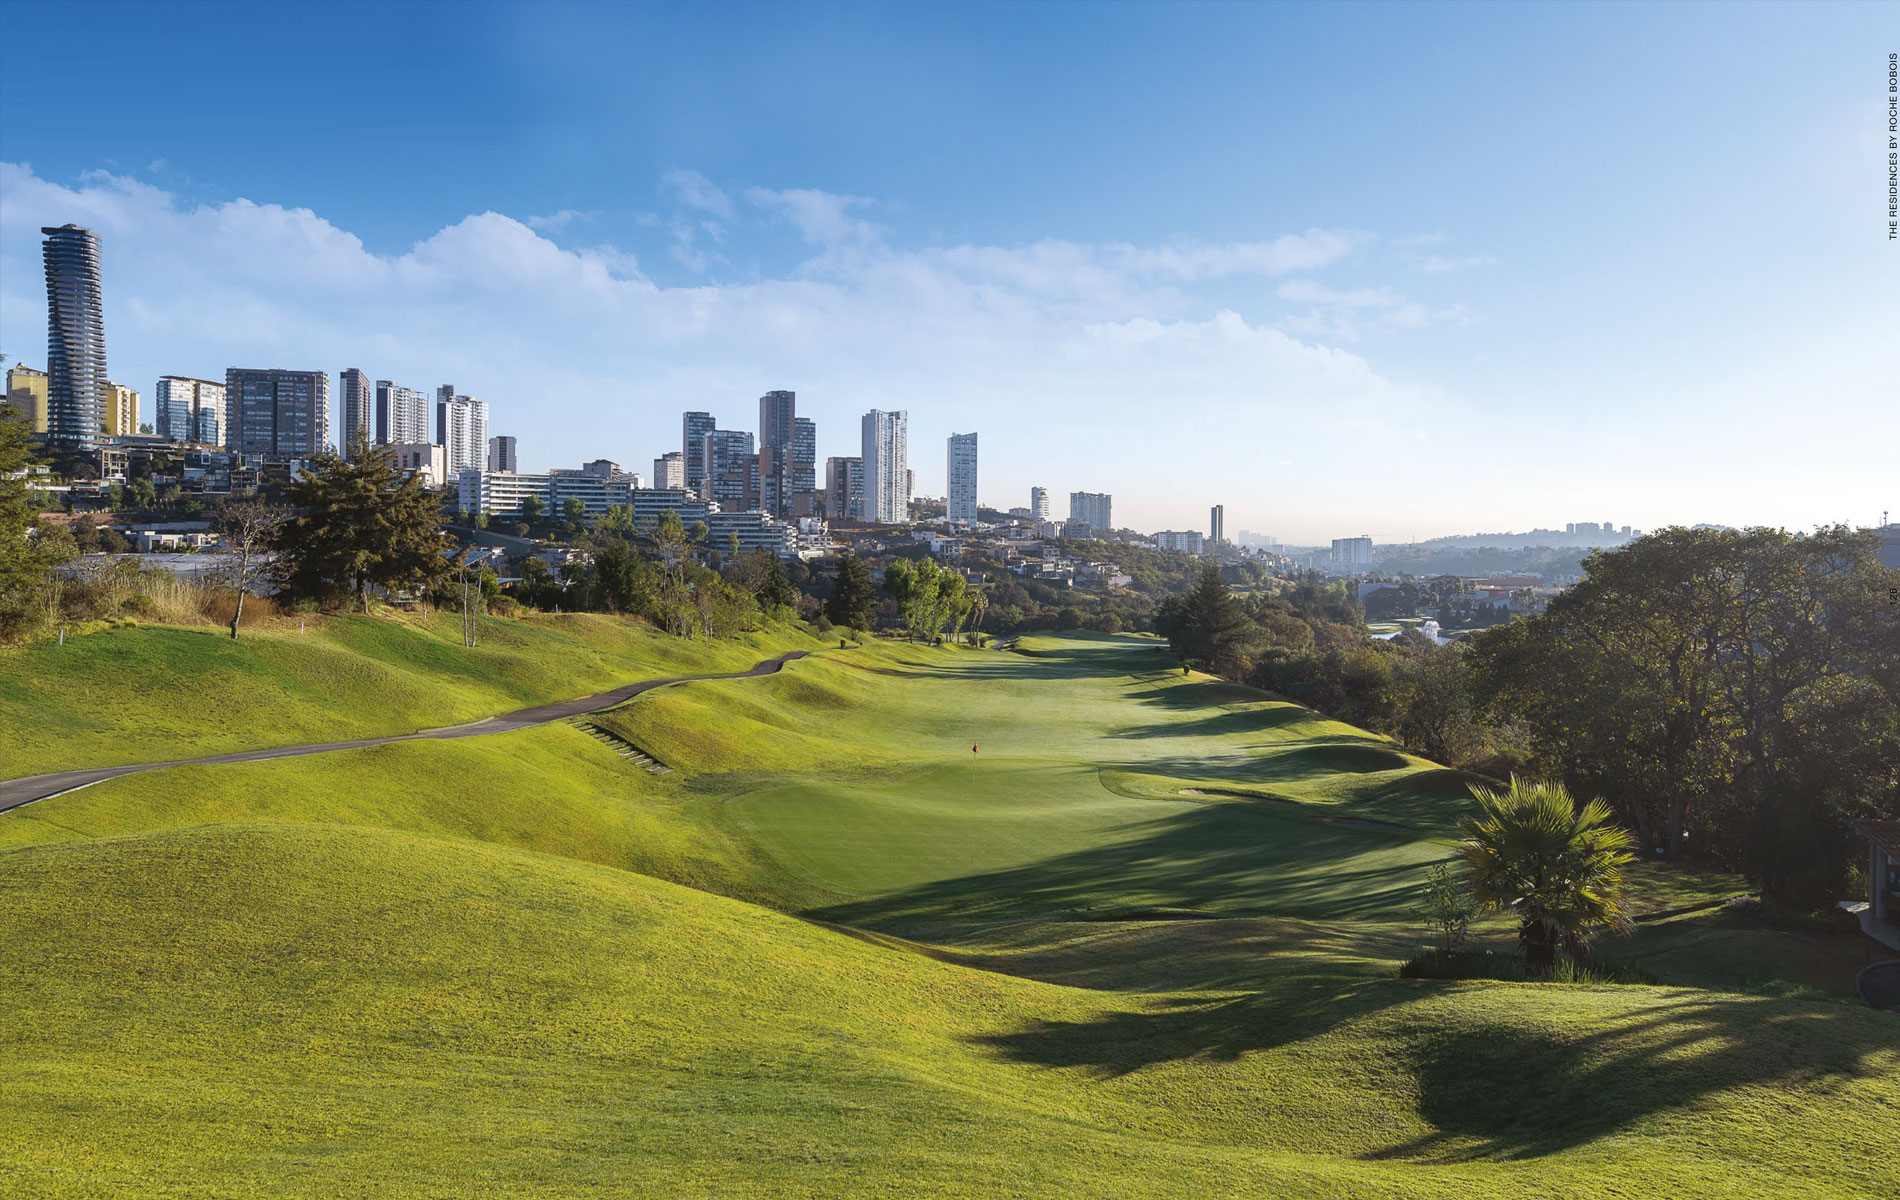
(1404, 270)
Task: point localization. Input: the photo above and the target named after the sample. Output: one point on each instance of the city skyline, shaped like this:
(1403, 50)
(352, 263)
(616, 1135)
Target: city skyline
(1329, 336)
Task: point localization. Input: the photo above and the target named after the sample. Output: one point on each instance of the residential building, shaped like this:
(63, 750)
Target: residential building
(356, 408)
(26, 395)
(844, 488)
(402, 414)
(804, 467)
(742, 531)
(75, 338)
(1352, 554)
(960, 492)
(669, 470)
(886, 471)
(731, 476)
(501, 454)
(121, 411)
(425, 459)
(189, 410)
(278, 413)
(1092, 509)
(461, 428)
(502, 493)
(1217, 524)
(651, 504)
(1186, 541)
(1039, 503)
(694, 426)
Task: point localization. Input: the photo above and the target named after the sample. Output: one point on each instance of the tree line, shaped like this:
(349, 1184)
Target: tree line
(1733, 696)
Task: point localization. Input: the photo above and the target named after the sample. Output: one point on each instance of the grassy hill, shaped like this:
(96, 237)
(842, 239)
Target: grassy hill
(166, 692)
(1141, 943)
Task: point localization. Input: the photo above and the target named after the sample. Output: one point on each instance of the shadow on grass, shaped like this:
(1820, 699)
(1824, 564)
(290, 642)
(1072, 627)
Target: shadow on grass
(1230, 859)
(1498, 1090)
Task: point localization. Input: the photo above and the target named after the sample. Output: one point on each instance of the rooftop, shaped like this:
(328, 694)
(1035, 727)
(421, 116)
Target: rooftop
(1885, 834)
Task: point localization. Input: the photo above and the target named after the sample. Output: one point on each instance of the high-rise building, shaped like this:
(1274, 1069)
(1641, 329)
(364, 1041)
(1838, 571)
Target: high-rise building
(1187, 541)
(1039, 503)
(26, 395)
(1217, 524)
(501, 454)
(844, 488)
(804, 467)
(694, 426)
(1351, 554)
(355, 407)
(669, 470)
(886, 469)
(402, 414)
(732, 470)
(189, 410)
(122, 411)
(75, 338)
(282, 414)
(1092, 509)
(777, 411)
(461, 429)
(960, 493)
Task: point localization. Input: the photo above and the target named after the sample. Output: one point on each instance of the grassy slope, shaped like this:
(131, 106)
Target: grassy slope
(160, 693)
(281, 1006)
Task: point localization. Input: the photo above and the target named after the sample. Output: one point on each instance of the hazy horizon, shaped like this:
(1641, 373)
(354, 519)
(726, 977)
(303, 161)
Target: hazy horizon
(1400, 271)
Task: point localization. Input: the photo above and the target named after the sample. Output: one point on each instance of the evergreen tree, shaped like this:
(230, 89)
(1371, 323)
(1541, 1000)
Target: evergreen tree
(28, 553)
(853, 602)
(362, 522)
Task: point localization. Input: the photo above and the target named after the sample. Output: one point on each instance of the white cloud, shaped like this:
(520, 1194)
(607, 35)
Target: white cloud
(1434, 264)
(696, 191)
(562, 219)
(1084, 364)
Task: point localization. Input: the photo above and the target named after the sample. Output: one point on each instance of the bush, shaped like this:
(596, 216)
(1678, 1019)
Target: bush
(1486, 964)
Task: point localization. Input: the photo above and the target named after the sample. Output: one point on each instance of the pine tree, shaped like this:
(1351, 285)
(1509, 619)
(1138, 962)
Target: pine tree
(853, 602)
(362, 522)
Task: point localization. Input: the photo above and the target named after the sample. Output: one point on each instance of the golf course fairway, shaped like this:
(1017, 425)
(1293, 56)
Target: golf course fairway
(1055, 920)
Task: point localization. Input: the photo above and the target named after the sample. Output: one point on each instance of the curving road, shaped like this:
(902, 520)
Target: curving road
(28, 788)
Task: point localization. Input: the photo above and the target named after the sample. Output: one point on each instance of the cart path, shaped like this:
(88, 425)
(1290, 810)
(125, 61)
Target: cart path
(28, 788)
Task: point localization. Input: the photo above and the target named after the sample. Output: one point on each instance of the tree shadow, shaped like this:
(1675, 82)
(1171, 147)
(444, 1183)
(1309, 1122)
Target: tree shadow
(1511, 1090)
(1188, 1028)
(1226, 858)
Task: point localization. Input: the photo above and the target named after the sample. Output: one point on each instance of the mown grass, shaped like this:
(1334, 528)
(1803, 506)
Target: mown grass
(152, 694)
(1143, 943)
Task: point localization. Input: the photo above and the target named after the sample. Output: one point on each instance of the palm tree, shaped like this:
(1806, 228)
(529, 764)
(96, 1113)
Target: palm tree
(1557, 867)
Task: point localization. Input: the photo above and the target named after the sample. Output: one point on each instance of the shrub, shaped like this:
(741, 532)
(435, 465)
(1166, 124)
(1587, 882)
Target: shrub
(1486, 964)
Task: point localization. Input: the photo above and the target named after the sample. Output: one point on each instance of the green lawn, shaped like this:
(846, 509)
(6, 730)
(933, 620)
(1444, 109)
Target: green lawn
(1142, 943)
(161, 693)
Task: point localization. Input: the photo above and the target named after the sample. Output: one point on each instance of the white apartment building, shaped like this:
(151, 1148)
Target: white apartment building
(669, 470)
(461, 428)
(960, 494)
(886, 469)
(1188, 541)
(1039, 503)
(1352, 554)
(402, 414)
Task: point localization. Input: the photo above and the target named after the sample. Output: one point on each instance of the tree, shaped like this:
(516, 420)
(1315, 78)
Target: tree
(623, 581)
(1449, 906)
(1740, 686)
(1555, 867)
(362, 522)
(532, 507)
(29, 554)
(574, 511)
(853, 601)
(762, 573)
(927, 594)
(246, 534)
(1206, 625)
(674, 610)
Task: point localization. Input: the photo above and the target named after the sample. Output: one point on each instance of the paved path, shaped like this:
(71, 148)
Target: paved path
(27, 789)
